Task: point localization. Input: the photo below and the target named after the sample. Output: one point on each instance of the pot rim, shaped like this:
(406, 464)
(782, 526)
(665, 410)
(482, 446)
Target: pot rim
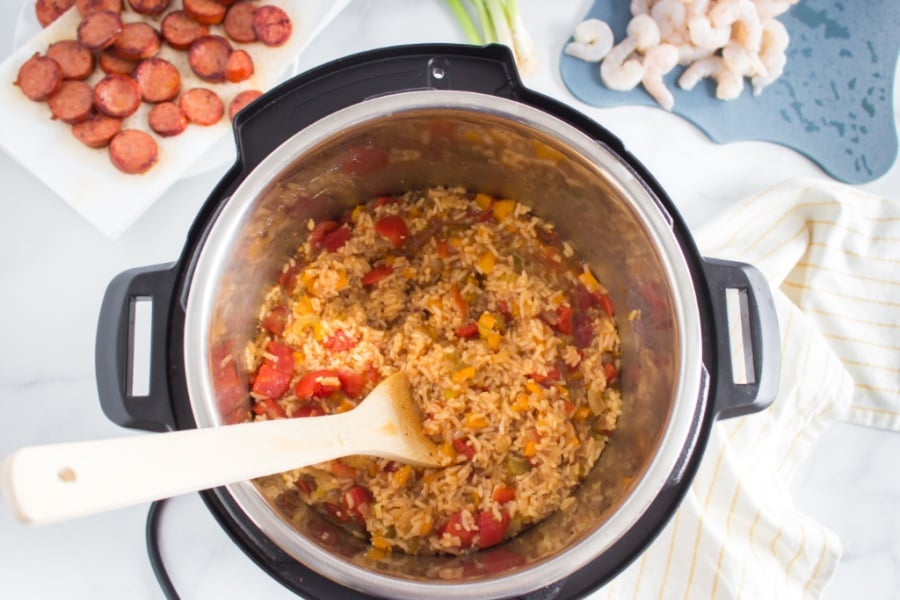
(676, 442)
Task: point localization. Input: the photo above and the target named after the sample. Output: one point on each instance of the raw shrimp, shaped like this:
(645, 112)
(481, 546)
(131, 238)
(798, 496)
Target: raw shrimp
(593, 40)
(772, 54)
(645, 32)
(742, 18)
(688, 53)
(640, 7)
(670, 16)
(729, 84)
(658, 61)
(740, 60)
(620, 72)
(704, 35)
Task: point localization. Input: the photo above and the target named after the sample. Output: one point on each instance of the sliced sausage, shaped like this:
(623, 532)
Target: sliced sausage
(180, 31)
(207, 12)
(208, 57)
(117, 95)
(87, 7)
(48, 11)
(167, 119)
(73, 102)
(76, 61)
(39, 77)
(133, 151)
(239, 67)
(239, 22)
(272, 25)
(100, 29)
(158, 79)
(202, 106)
(149, 7)
(97, 131)
(242, 100)
(137, 41)
(111, 62)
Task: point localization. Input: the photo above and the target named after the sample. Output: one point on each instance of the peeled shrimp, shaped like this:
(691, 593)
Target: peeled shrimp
(620, 72)
(658, 61)
(689, 53)
(671, 16)
(704, 35)
(729, 84)
(645, 32)
(640, 7)
(593, 40)
(742, 18)
(772, 54)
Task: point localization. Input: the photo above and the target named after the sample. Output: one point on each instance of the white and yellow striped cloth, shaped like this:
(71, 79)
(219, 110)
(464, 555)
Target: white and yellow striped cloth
(832, 256)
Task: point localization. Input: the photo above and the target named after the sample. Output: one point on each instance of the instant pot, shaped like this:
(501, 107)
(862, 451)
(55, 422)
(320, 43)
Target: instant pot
(700, 337)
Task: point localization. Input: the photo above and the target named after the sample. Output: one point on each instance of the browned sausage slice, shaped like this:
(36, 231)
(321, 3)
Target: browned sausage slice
(100, 29)
(137, 41)
(117, 95)
(208, 57)
(158, 79)
(149, 7)
(167, 119)
(202, 106)
(133, 151)
(239, 67)
(87, 7)
(73, 102)
(180, 31)
(48, 11)
(207, 12)
(239, 22)
(111, 62)
(97, 131)
(242, 100)
(272, 25)
(76, 61)
(39, 77)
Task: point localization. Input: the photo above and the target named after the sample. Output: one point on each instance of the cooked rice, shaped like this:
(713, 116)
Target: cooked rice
(526, 395)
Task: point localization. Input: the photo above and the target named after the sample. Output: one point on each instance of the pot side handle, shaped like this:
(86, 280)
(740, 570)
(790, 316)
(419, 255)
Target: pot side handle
(748, 344)
(280, 113)
(114, 351)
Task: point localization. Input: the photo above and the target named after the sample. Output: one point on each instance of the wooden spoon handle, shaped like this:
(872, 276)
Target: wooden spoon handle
(50, 483)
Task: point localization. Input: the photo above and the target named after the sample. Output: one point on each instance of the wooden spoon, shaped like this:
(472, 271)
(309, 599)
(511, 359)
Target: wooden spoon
(43, 484)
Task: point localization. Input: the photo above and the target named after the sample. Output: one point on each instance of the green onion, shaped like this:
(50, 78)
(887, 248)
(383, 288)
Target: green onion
(500, 23)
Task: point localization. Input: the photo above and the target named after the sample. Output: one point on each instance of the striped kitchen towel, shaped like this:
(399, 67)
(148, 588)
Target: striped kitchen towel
(830, 253)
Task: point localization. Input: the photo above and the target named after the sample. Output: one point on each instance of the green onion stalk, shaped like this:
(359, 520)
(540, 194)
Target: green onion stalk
(501, 23)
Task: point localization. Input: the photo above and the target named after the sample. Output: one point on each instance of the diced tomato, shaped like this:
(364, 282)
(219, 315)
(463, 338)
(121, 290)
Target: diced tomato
(582, 330)
(464, 447)
(605, 303)
(468, 330)
(231, 394)
(342, 469)
(308, 409)
(503, 494)
(549, 377)
(484, 216)
(491, 531)
(461, 303)
(284, 357)
(276, 319)
(503, 307)
(377, 274)
(364, 159)
(564, 319)
(352, 383)
(336, 239)
(286, 277)
(393, 228)
(583, 298)
(319, 232)
(270, 408)
(318, 384)
(384, 200)
(271, 382)
(357, 501)
(454, 527)
(610, 372)
(339, 341)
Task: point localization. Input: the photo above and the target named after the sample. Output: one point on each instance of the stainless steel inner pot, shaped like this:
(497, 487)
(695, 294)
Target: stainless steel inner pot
(499, 146)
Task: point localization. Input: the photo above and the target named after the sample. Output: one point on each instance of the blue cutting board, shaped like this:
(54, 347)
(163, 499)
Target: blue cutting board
(834, 102)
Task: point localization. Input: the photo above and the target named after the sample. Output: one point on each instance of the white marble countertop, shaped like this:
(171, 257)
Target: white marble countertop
(56, 267)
